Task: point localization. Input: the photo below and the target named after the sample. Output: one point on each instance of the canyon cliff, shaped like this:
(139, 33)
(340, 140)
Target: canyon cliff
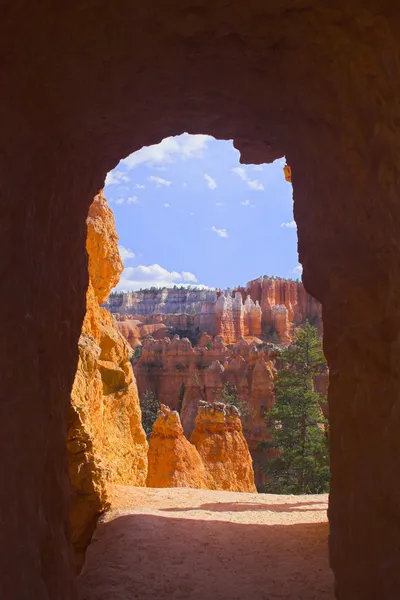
(268, 307)
(106, 442)
(216, 457)
(182, 377)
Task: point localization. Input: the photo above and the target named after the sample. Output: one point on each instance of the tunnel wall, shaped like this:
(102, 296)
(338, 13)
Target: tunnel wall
(85, 84)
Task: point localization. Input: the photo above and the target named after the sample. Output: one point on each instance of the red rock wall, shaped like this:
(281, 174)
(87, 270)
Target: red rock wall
(318, 84)
(268, 307)
(285, 304)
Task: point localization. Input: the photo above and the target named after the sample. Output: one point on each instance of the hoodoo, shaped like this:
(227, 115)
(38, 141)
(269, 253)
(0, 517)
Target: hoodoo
(173, 460)
(219, 440)
(106, 442)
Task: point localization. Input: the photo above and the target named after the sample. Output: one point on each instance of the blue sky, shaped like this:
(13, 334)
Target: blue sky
(188, 213)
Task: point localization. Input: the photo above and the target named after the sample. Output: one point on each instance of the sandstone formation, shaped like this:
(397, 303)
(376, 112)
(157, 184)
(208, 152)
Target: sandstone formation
(314, 81)
(181, 376)
(216, 457)
(173, 460)
(219, 440)
(105, 440)
(267, 306)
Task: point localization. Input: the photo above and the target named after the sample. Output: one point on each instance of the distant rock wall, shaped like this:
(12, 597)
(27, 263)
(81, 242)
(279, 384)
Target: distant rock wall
(105, 440)
(266, 307)
(284, 304)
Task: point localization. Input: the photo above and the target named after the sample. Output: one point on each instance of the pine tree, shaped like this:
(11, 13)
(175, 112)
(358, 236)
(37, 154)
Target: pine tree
(149, 406)
(299, 442)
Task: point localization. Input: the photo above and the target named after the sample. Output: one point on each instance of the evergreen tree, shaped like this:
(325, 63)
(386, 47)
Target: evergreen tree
(149, 406)
(229, 395)
(301, 463)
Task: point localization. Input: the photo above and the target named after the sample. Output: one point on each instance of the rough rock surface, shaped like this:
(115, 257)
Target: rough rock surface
(105, 264)
(87, 83)
(105, 440)
(173, 460)
(206, 544)
(220, 442)
(181, 376)
(216, 458)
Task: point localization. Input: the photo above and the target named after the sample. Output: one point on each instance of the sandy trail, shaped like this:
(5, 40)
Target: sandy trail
(197, 545)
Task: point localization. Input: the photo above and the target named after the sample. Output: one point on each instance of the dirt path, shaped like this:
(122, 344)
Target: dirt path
(197, 545)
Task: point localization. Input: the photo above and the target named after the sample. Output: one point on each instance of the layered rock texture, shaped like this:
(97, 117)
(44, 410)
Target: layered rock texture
(267, 307)
(216, 457)
(106, 442)
(182, 376)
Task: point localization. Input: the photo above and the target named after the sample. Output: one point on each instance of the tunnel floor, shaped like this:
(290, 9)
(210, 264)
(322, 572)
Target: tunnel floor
(181, 543)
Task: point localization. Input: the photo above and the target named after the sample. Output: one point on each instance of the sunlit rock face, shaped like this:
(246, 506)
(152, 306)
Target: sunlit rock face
(219, 439)
(216, 457)
(275, 294)
(106, 442)
(181, 376)
(173, 460)
(267, 306)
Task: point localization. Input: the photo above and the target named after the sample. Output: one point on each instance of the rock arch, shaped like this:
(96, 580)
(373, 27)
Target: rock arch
(86, 84)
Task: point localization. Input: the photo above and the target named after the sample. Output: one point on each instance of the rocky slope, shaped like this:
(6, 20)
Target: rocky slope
(106, 441)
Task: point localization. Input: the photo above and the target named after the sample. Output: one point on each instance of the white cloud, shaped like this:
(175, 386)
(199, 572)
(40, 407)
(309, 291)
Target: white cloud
(140, 186)
(240, 172)
(134, 278)
(115, 177)
(130, 200)
(221, 232)
(166, 205)
(168, 151)
(289, 225)
(257, 168)
(159, 181)
(191, 214)
(254, 184)
(184, 184)
(220, 204)
(188, 276)
(298, 270)
(126, 253)
(212, 184)
(248, 203)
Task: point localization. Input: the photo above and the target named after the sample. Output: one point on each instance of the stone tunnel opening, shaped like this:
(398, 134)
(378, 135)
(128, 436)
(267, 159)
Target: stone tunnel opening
(88, 83)
(206, 358)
